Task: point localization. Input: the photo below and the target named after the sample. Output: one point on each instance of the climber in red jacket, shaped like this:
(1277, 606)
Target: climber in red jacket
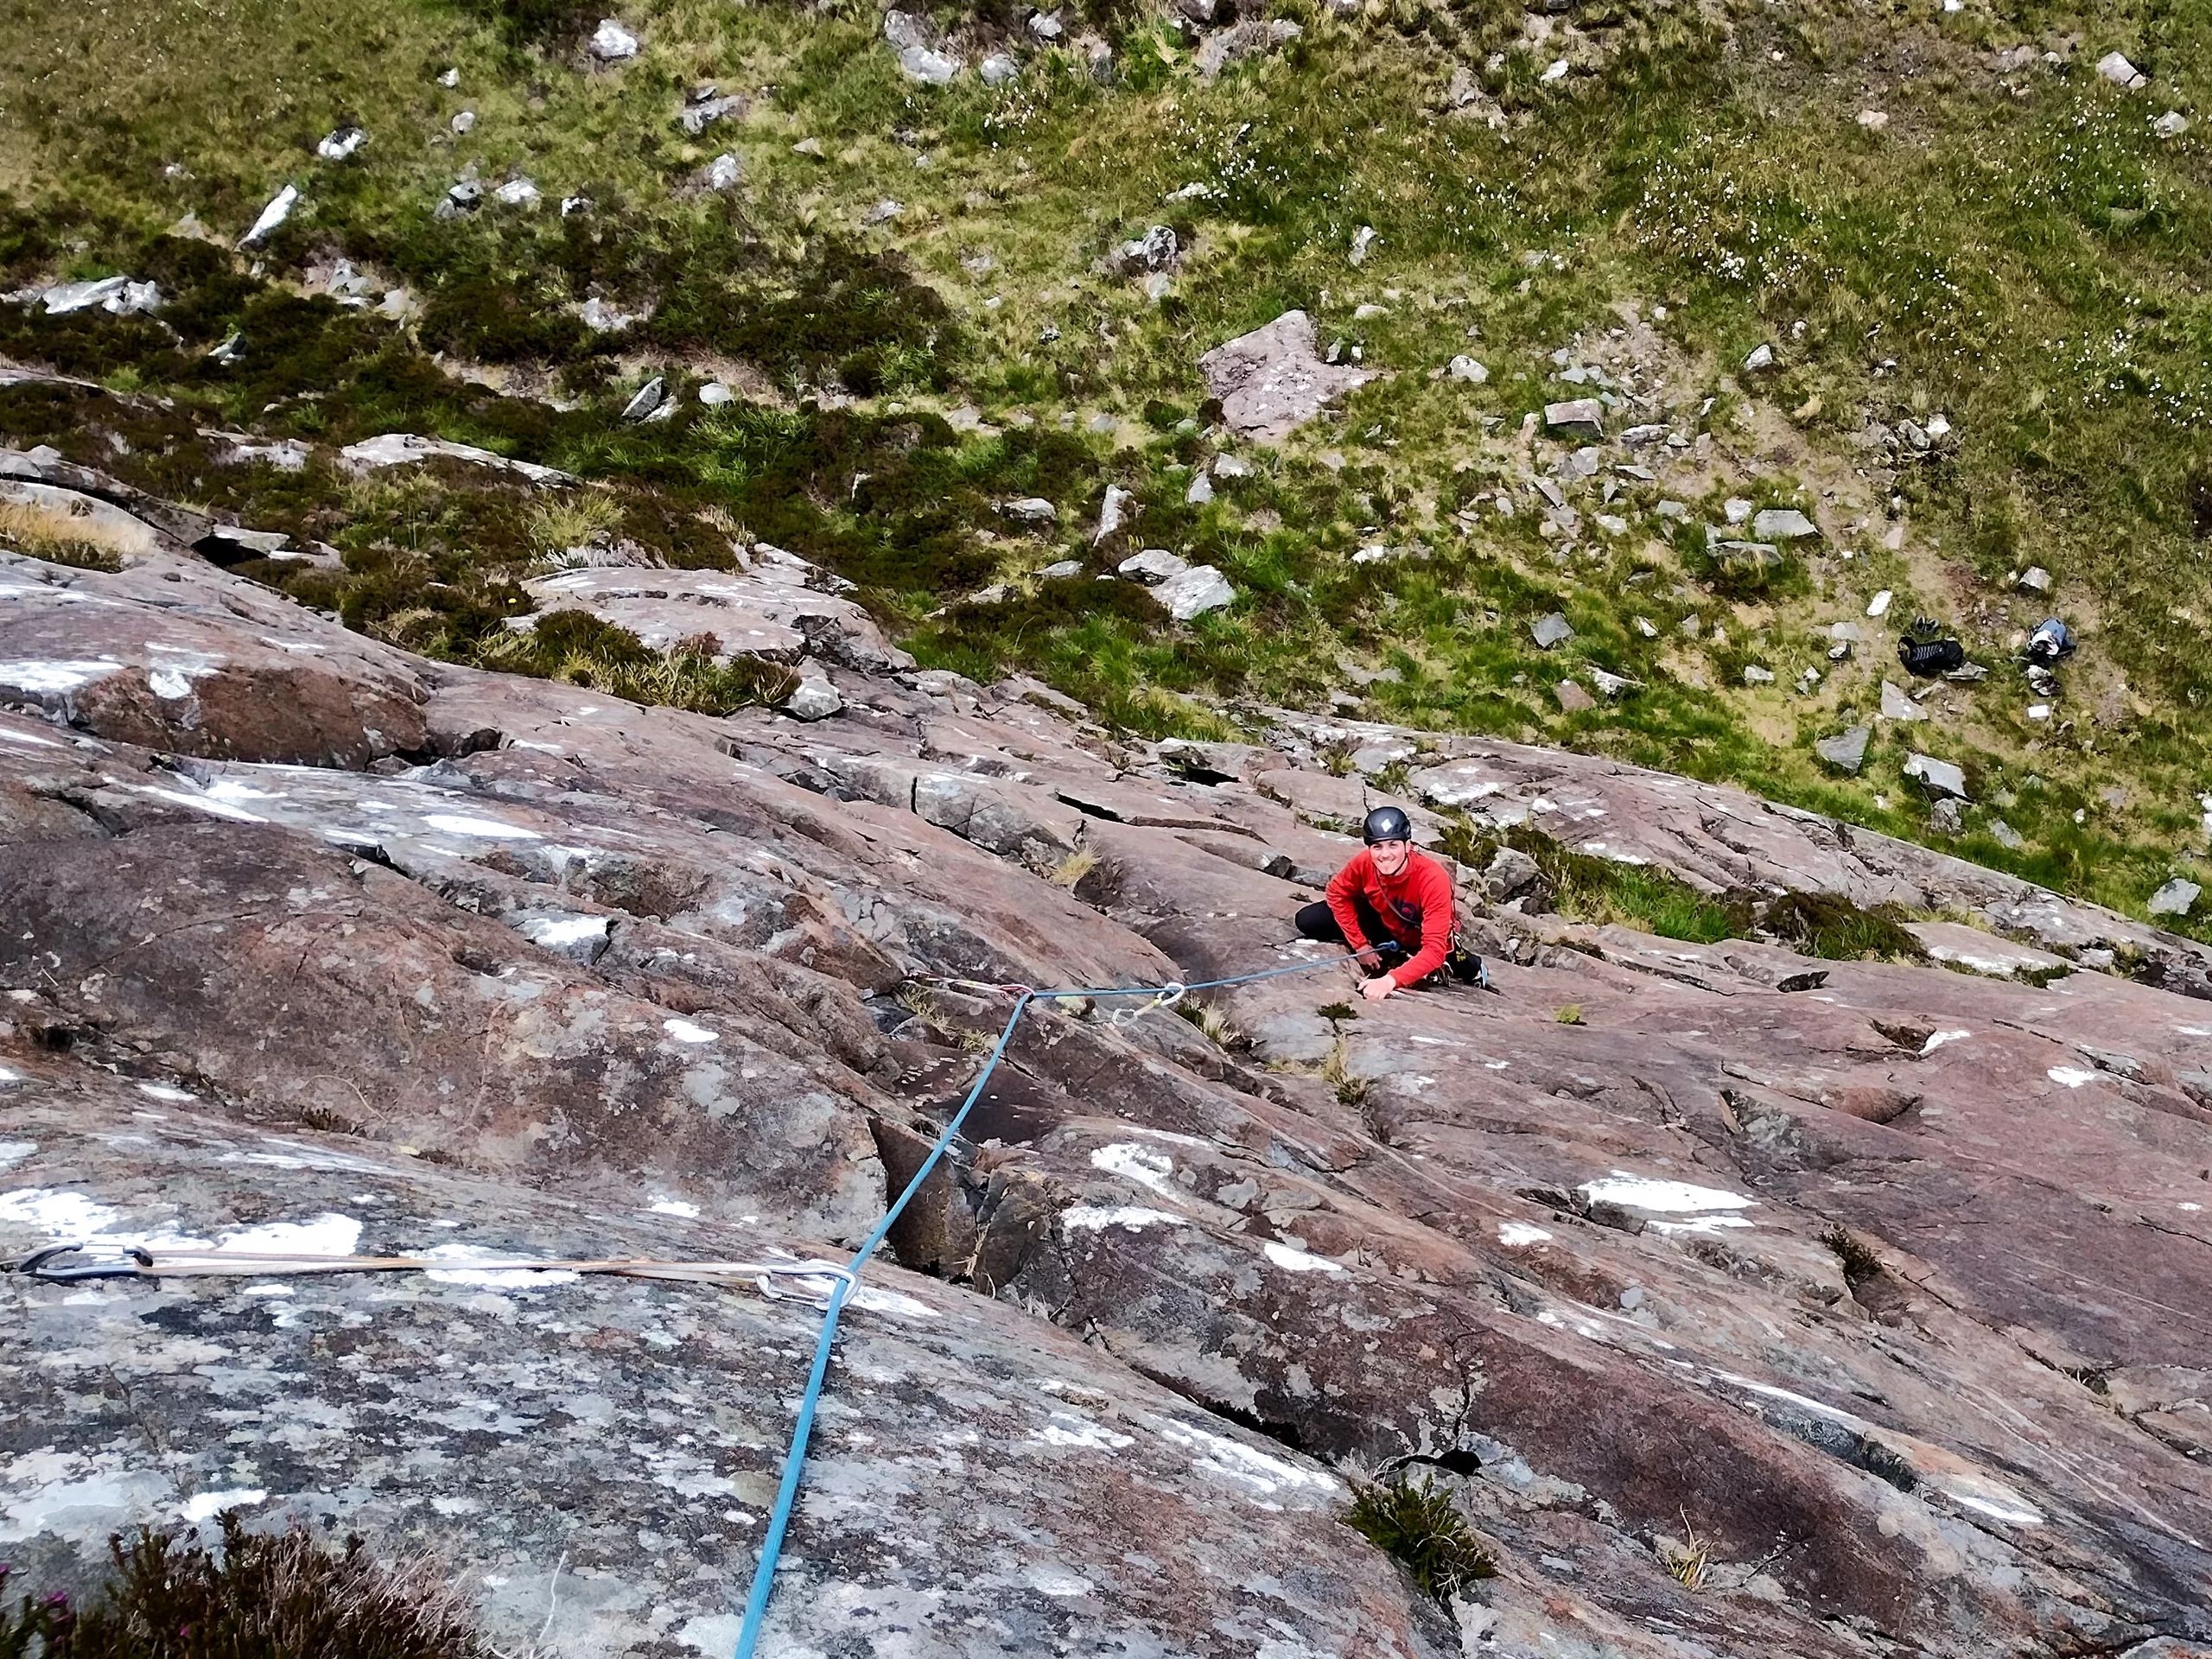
(1389, 896)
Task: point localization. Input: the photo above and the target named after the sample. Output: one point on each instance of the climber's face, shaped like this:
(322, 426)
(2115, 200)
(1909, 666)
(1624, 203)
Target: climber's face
(1389, 856)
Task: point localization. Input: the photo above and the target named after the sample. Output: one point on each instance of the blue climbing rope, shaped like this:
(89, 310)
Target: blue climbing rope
(772, 1545)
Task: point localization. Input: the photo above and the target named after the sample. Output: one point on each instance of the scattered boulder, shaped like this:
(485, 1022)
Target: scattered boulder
(1273, 379)
(340, 144)
(696, 118)
(518, 192)
(1198, 590)
(1550, 631)
(2034, 580)
(999, 69)
(1755, 674)
(1110, 510)
(813, 698)
(1572, 699)
(1577, 418)
(1033, 510)
(2178, 897)
(1362, 240)
(1761, 357)
(1061, 570)
(1465, 368)
(2115, 68)
(1247, 39)
(647, 400)
(1939, 777)
(1846, 750)
(278, 210)
(612, 43)
(2171, 125)
(1781, 524)
(1896, 705)
(1152, 567)
(1873, 120)
(723, 172)
(931, 68)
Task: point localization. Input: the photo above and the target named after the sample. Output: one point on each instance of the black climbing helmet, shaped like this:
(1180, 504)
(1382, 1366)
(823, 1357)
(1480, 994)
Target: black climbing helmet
(1386, 823)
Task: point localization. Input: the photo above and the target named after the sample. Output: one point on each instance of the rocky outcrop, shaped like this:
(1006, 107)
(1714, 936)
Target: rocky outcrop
(1878, 1287)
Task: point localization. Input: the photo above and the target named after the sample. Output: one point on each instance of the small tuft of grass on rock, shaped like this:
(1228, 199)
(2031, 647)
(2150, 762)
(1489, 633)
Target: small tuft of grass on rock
(1688, 1562)
(1861, 1264)
(1070, 871)
(56, 538)
(1570, 1015)
(1418, 1526)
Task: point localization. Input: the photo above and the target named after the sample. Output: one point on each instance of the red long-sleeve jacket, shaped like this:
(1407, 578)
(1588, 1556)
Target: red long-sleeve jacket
(1415, 905)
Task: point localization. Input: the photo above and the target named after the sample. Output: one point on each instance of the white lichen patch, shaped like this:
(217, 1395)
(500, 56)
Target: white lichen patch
(1086, 1218)
(1257, 1473)
(36, 674)
(208, 804)
(684, 1032)
(682, 1209)
(1139, 1164)
(457, 823)
(325, 1235)
(165, 1091)
(56, 1212)
(501, 1278)
(1661, 1196)
(2072, 1076)
(1298, 1261)
(205, 1506)
(1936, 1039)
(1519, 1235)
(1068, 1429)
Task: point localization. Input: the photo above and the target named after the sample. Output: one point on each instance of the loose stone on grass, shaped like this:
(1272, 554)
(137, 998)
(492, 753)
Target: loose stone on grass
(1846, 750)
(1938, 777)
(2178, 897)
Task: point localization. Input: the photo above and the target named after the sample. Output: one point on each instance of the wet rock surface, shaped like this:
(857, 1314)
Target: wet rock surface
(1886, 1283)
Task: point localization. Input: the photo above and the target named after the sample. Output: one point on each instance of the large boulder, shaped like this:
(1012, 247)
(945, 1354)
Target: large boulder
(1273, 380)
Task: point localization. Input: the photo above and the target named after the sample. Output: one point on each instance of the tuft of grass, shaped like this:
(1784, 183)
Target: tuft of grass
(1587, 888)
(1831, 927)
(1070, 871)
(1861, 1264)
(1569, 1014)
(1215, 1025)
(1687, 1563)
(577, 648)
(577, 519)
(1418, 1526)
(261, 1596)
(58, 537)
(1334, 1012)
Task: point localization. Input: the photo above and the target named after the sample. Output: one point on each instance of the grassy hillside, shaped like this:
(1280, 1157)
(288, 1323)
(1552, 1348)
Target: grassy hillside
(903, 284)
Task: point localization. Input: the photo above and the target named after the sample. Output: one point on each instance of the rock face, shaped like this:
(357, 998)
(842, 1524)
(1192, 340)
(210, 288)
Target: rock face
(1273, 379)
(1887, 1281)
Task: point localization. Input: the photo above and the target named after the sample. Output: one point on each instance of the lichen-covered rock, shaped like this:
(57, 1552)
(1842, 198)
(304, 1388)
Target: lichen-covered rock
(1809, 1259)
